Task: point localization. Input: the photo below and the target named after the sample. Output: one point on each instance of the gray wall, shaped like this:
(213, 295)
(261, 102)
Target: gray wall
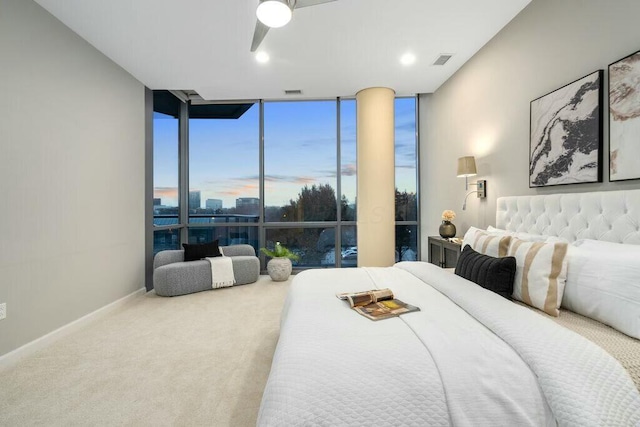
(483, 109)
(71, 176)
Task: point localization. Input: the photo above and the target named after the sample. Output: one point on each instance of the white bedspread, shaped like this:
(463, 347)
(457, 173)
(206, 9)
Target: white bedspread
(434, 367)
(438, 366)
(582, 383)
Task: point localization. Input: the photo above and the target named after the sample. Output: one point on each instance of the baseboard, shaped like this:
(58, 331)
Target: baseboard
(28, 349)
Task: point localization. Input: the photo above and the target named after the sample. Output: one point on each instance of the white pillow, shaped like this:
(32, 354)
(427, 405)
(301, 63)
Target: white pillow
(603, 283)
(494, 245)
(600, 245)
(521, 235)
(470, 236)
(541, 271)
(493, 230)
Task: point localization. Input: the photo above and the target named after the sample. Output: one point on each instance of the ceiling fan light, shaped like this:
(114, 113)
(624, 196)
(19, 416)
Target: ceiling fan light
(274, 13)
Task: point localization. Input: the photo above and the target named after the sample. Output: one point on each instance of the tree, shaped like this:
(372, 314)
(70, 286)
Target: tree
(315, 203)
(406, 206)
(406, 210)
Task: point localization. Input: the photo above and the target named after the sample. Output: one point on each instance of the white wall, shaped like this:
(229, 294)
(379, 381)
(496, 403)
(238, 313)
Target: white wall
(71, 176)
(483, 109)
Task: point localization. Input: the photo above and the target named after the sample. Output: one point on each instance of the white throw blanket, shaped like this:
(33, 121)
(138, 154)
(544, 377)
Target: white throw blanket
(221, 272)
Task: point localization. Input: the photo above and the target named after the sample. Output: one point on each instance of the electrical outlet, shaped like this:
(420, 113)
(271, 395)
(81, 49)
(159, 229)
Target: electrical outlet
(3, 310)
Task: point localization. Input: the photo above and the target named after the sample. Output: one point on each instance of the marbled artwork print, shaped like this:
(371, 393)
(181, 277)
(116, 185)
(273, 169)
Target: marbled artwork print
(565, 140)
(624, 118)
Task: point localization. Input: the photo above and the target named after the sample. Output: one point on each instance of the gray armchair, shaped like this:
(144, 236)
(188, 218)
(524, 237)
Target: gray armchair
(172, 276)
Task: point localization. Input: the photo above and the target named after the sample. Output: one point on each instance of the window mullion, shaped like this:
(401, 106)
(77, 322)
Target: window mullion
(183, 171)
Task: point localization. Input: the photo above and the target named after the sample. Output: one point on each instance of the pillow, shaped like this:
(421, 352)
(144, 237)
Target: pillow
(541, 273)
(469, 236)
(599, 245)
(603, 283)
(489, 244)
(523, 236)
(197, 252)
(500, 231)
(495, 274)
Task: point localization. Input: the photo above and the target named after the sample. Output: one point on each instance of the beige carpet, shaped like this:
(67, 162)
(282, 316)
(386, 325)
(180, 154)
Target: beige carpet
(194, 360)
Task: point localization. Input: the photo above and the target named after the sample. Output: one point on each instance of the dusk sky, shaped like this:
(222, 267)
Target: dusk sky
(300, 149)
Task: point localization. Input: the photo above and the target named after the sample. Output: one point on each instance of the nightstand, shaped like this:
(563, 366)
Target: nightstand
(443, 253)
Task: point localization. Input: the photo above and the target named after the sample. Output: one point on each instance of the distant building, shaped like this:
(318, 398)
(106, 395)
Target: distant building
(157, 202)
(194, 200)
(214, 204)
(248, 205)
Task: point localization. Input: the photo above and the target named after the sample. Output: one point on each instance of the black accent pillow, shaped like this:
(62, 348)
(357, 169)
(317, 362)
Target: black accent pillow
(495, 274)
(196, 252)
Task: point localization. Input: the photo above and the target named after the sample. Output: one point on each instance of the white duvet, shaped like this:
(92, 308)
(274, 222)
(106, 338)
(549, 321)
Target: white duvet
(468, 358)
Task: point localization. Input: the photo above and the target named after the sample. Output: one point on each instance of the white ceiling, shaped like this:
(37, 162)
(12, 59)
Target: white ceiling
(328, 50)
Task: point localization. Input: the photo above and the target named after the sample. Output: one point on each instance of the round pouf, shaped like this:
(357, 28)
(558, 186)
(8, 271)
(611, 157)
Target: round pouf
(279, 269)
(447, 229)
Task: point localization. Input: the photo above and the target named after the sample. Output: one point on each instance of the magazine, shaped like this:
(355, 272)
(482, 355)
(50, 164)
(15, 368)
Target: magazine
(377, 304)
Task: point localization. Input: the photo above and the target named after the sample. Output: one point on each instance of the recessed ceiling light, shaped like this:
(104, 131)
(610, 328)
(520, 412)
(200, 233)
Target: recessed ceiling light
(407, 59)
(262, 57)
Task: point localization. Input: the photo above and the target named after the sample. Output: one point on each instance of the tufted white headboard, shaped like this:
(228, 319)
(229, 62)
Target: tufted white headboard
(613, 216)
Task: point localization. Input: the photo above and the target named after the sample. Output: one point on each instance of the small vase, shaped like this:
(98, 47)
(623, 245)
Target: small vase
(447, 229)
(279, 269)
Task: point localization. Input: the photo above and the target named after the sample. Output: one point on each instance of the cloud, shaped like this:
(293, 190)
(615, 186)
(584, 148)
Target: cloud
(233, 187)
(290, 179)
(233, 181)
(165, 192)
(349, 169)
(407, 126)
(313, 142)
(405, 166)
(238, 191)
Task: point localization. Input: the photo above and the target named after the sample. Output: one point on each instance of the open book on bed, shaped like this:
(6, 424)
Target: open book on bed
(377, 304)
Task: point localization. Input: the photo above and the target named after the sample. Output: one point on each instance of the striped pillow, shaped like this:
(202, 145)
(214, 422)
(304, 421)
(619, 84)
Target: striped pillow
(541, 273)
(487, 243)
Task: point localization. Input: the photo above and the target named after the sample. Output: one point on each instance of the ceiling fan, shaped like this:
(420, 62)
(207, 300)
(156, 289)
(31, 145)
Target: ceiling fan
(275, 14)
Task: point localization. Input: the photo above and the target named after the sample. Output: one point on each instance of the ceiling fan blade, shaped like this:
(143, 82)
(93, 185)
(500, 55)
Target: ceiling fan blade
(307, 3)
(258, 35)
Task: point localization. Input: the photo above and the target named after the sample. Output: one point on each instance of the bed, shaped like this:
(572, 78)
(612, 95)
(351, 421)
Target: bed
(470, 357)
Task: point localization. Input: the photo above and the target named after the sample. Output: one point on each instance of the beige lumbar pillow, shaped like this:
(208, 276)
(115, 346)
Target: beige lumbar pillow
(495, 245)
(541, 273)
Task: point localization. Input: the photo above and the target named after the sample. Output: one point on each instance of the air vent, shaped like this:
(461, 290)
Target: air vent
(293, 92)
(442, 59)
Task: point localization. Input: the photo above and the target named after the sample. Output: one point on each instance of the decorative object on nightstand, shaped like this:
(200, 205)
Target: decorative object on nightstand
(467, 168)
(444, 252)
(279, 266)
(447, 229)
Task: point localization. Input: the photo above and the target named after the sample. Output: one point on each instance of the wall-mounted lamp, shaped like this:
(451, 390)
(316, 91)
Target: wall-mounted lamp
(467, 168)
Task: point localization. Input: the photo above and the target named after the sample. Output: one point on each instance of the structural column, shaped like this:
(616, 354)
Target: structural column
(376, 177)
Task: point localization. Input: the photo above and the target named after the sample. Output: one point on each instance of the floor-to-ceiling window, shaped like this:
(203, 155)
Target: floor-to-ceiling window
(275, 171)
(348, 184)
(165, 172)
(406, 150)
(224, 169)
(300, 179)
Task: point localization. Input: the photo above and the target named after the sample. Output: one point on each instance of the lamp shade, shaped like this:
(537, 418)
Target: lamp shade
(274, 13)
(466, 166)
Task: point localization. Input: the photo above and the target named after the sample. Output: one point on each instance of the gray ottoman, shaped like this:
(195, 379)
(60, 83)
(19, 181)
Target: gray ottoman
(172, 276)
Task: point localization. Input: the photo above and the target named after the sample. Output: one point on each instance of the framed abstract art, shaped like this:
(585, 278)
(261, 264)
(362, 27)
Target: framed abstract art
(565, 142)
(624, 118)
